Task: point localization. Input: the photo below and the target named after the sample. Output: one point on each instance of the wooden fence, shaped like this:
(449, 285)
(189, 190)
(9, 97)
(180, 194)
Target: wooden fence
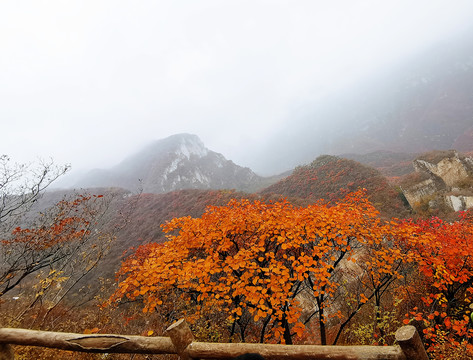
(181, 342)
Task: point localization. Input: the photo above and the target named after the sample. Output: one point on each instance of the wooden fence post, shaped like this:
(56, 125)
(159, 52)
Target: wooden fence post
(6, 352)
(103, 343)
(181, 337)
(409, 340)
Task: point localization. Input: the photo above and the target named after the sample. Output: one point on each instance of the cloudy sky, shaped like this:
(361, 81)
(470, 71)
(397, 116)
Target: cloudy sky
(90, 82)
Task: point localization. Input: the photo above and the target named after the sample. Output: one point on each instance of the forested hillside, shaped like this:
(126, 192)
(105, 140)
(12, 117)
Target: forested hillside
(331, 178)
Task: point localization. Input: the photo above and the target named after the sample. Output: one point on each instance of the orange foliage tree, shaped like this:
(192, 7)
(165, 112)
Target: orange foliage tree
(444, 254)
(272, 269)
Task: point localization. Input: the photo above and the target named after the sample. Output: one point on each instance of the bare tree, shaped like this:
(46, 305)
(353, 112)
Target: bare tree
(21, 185)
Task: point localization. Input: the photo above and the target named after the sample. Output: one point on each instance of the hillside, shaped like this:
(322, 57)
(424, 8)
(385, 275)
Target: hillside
(331, 178)
(146, 212)
(422, 104)
(177, 162)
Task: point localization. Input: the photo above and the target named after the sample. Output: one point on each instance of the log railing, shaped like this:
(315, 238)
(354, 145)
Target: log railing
(181, 342)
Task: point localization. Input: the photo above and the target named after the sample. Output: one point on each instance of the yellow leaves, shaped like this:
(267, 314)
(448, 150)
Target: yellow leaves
(143, 290)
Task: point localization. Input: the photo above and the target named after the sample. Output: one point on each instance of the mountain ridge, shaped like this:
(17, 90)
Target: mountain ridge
(177, 162)
(423, 103)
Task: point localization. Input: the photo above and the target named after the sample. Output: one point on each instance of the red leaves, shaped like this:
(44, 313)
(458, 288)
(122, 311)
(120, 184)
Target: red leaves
(444, 254)
(65, 227)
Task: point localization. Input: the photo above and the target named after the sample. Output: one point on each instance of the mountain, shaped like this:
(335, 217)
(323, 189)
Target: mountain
(331, 178)
(327, 177)
(177, 162)
(424, 103)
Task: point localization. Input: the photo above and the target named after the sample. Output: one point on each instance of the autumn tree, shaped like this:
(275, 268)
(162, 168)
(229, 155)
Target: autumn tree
(46, 251)
(444, 258)
(44, 261)
(272, 269)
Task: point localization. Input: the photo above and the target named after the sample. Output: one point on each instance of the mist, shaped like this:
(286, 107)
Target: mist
(265, 83)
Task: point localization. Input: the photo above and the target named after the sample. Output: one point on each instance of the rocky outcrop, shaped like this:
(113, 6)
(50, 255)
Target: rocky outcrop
(452, 168)
(416, 193)
(178, 162)
(460, 202)
(442, 178)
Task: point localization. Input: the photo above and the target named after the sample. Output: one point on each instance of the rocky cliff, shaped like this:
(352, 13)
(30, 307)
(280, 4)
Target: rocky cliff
(442, 178)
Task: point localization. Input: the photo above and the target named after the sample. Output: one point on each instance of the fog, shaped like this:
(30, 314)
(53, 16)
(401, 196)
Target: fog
(89, 82)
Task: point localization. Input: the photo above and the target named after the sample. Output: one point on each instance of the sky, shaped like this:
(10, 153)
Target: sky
(91, 82)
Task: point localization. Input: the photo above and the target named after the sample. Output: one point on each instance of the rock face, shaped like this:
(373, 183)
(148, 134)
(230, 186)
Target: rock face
(442, 177)
(451, 170)
(174, 163)
(416, 193)
(460, 202)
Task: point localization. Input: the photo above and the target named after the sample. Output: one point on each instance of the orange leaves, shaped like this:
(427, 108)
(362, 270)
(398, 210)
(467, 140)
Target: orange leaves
(91, 331)
(253, 258)
(64, 230)
(299, 329)
(65, 227)
(443, 252)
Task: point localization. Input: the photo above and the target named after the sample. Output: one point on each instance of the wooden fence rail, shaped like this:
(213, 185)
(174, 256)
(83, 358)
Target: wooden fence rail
(181, 342)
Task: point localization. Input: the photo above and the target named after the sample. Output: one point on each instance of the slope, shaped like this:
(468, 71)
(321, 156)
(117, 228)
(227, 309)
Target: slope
(331, 178)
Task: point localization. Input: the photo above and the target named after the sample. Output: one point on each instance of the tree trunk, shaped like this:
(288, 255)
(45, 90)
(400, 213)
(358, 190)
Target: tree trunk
(323, 332)
(287, 333)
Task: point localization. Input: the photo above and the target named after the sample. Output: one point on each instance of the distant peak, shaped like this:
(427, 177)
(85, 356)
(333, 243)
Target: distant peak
(191, 145)
(184, 143)
(183, 136)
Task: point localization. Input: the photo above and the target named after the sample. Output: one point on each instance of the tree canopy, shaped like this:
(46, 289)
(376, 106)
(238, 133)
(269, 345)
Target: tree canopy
(271, 268)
